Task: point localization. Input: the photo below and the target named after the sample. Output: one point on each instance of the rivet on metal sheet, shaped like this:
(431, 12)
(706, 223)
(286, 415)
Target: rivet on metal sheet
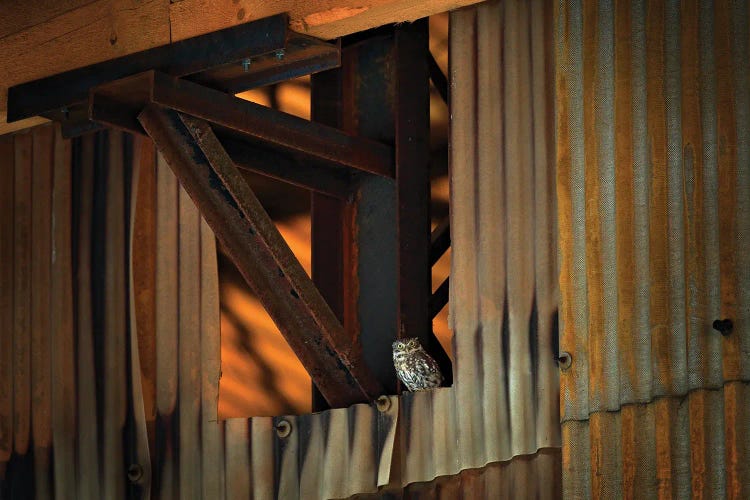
(135, 473)
(383, 403)
(565, 360)
(280, 54)
(246, 65)
(723, 326)
(283, 429)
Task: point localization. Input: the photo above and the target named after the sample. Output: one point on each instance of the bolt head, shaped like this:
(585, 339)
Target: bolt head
(283, 428)
(383, 403)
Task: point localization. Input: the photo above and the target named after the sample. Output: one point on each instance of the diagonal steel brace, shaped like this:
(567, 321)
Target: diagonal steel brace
(207, 173)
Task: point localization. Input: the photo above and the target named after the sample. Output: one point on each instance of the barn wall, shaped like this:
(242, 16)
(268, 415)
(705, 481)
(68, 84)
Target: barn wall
(653, 144)
(113, 358)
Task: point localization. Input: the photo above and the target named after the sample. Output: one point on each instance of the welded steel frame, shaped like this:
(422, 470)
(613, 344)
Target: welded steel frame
(365, 158)
(230, 60)
(381, 92)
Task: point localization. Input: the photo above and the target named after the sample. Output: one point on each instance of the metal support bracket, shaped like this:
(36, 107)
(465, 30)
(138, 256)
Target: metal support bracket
(229, 206)
(367, 165)
(230, 60)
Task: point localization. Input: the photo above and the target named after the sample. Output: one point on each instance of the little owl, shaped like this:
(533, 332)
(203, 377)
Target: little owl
(416, 369)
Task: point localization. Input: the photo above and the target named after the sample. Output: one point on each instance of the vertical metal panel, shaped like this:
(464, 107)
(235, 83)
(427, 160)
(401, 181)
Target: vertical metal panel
(167, 324)
(6, 301)
(546, 269)
(62, 334)
(237, 458)
(141, 283)
(664, 88)
(463, 242)
(114, 322)
(89, 466)
(491, 248)
(41, 273)
(504, 262)
(22, 295)
(740, 37)
(189, 365)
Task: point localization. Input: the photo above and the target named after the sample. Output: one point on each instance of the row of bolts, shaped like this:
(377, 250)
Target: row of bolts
(246, 62)
(383, 403)
(245, 66)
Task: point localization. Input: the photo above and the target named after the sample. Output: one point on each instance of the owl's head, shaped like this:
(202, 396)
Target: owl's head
(406, 345)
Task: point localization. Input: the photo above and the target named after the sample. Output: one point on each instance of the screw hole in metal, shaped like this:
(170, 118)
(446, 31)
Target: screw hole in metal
(564, 360)
(383, 403)
(135, 473)
(283, 428)
(723, 326)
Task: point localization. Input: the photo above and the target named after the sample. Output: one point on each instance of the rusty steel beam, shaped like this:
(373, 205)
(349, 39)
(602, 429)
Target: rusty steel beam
(185, 57)
(439, 80)
(371, 255)
(331, 220)
(440, 241)
(412, 145)
(262, 256)
(239, 119)
(439, 298)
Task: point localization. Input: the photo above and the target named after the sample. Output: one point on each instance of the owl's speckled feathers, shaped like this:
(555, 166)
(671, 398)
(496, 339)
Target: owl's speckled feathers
(414, 367)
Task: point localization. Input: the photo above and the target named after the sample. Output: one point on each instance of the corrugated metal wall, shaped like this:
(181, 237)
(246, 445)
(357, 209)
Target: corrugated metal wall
(63, 390)
(113, 368)
(653, 143)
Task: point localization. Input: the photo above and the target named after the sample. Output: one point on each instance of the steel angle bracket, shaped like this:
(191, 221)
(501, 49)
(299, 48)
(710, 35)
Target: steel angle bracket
(230, 60)
(229, 206)
(282, 146)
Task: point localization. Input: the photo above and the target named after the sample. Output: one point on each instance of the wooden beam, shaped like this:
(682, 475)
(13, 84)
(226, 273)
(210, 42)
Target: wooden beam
(88, 32)
(85, 33)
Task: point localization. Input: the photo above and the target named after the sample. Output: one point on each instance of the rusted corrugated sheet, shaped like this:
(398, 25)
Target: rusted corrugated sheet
(653, 142)
(516, 478)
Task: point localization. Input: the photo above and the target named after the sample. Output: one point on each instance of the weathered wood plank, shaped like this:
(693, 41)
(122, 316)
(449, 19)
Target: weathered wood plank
(89, 33)
(41, 248)
(62, 341)
(22, 294)
(6, 300)
(320, 19)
